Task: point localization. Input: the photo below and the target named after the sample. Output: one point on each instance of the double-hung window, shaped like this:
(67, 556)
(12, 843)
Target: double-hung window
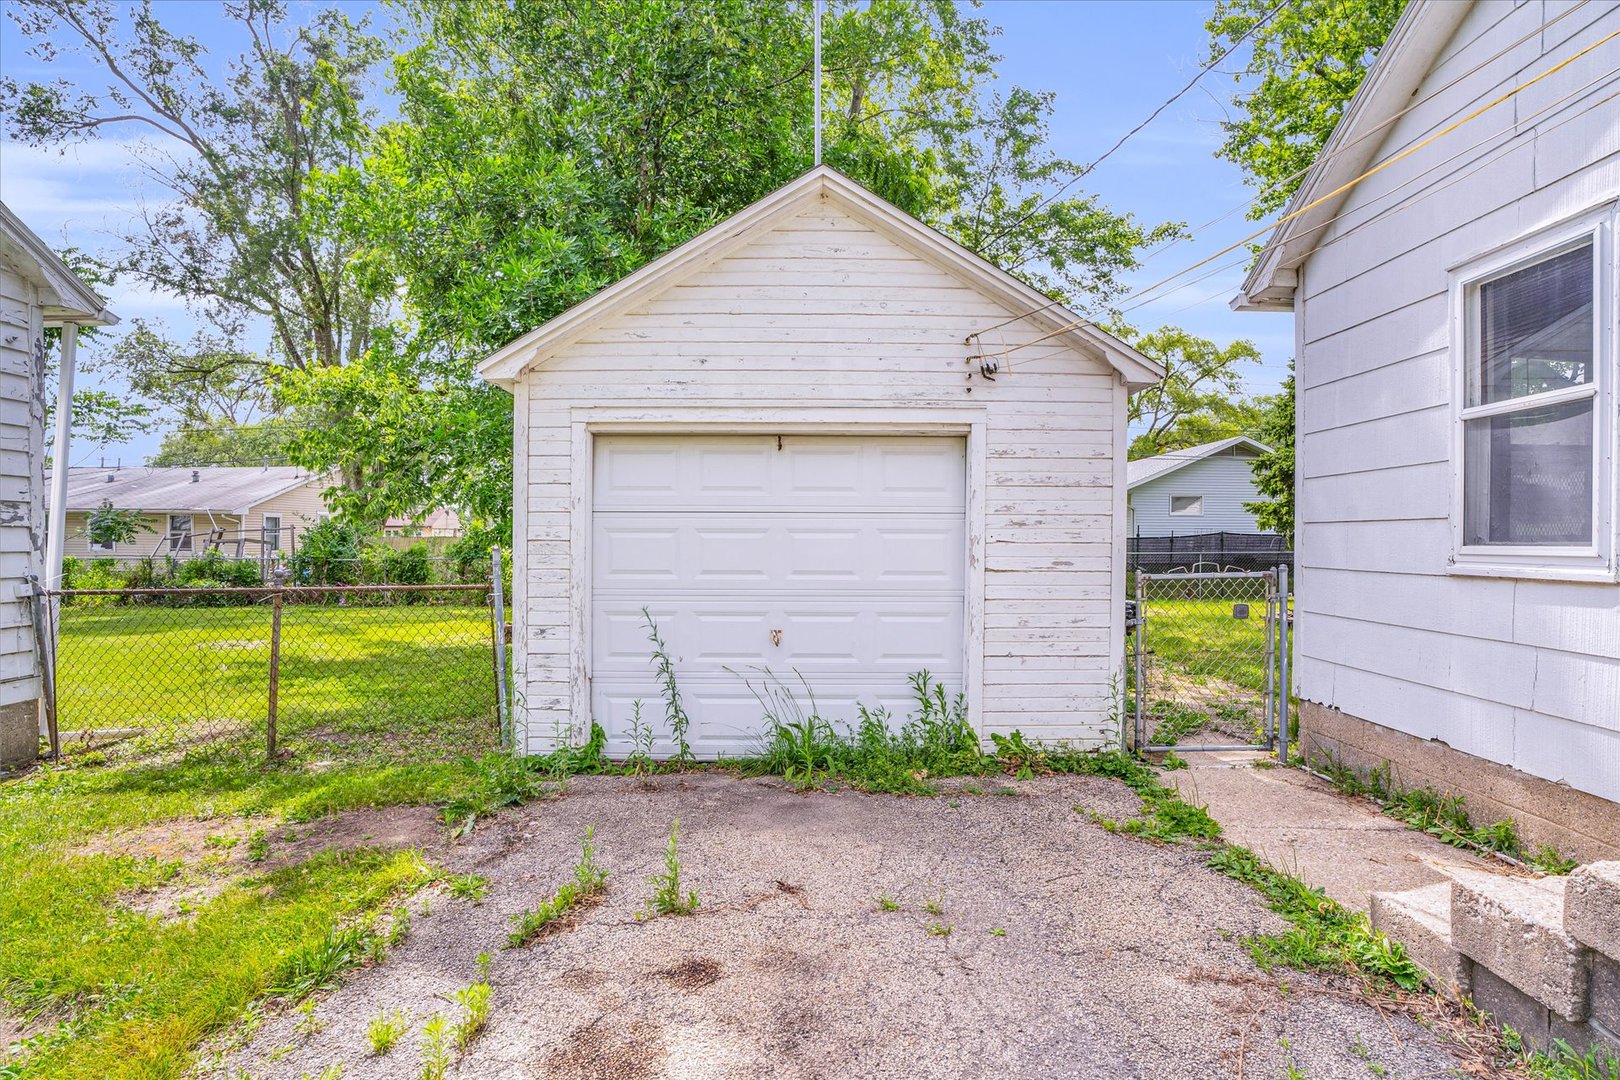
(1534, 332)
(180, 526)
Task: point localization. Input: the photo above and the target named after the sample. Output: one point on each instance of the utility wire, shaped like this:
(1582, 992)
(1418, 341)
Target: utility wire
(1154, 115)
(1322, 158)
(1340, 190)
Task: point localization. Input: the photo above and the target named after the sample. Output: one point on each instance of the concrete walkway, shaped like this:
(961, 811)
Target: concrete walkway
(1341, 844)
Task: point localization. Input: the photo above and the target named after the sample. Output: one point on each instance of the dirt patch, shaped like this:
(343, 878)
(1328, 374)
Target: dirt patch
(693, 973)
(204, 857)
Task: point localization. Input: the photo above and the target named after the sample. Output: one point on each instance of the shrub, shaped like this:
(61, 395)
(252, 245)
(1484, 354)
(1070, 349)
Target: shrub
(469, 553)
(328, 554)
(212, 570)
(382, 565)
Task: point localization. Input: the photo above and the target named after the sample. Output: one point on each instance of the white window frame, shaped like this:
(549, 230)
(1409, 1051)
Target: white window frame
(1186, 513)
(104, 547)
(182, 541)
(1578, 562)
(271, 538)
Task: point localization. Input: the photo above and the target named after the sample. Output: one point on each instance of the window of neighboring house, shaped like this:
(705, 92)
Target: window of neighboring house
(103, 546)
(1187, 505)
(272, 532)
(1535, 390)
(179, 532)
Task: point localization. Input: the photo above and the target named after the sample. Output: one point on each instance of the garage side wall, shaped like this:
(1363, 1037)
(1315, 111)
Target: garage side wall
(824, 313)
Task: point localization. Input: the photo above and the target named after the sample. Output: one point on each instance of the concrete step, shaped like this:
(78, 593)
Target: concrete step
(1515, 927)
(1420, 919)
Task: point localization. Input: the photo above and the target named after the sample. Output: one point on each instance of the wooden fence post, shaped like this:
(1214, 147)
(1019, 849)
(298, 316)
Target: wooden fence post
(275, 672)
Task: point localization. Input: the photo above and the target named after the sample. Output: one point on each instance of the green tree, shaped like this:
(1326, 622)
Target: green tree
(1201, 397)
(544, 150)
(1304, 63)
(220, 442)
(109, 525)
(1274, 472)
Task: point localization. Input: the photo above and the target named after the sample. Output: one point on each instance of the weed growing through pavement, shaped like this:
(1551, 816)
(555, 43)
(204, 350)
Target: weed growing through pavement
(885, 902)
(640, 761)
(589, 882)
(474, 1002)
(435, 1048)
(308, 1023)
(935, 906)
(666, 898)
(674, 712)
(468, 887)
(998, 931)
(384, 1031)
(334, 1071)
(940, 929)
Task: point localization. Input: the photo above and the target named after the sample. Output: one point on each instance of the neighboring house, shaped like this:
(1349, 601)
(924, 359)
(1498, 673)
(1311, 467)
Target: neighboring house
(37, 290)
(246, 512)
(1200, 489)
(776, 440)
(1456, 319)
(436, 523)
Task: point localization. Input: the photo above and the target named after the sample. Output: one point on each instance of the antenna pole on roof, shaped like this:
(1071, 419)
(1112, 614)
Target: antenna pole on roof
(817, 5)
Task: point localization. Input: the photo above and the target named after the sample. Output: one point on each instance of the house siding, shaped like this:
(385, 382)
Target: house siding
(1226, 482)
(22, 467)
(1521, 672)
(299, 508)
(824, 311)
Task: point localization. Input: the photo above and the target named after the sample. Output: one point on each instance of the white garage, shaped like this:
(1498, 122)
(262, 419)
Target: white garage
(782, 443)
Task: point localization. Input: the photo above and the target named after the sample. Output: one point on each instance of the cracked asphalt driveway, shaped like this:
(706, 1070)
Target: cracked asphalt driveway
(1059, 949)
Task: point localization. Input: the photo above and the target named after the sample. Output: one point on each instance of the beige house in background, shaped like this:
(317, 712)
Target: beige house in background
(244, 512)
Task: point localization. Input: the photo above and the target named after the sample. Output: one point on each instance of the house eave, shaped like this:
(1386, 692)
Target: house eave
(63, 297)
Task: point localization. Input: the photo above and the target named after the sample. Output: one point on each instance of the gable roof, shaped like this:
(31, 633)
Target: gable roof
(1142, 470)
(1415, 43)
(506, 364)
(228, 490)
(64, 298)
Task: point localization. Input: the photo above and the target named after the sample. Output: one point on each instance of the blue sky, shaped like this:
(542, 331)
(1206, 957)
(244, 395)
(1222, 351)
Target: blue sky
(1110, 65)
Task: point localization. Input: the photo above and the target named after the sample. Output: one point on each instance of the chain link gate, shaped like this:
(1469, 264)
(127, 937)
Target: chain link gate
(1209, 651)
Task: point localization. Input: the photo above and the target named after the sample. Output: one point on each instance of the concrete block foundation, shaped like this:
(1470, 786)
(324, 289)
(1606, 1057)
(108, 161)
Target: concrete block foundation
(19, 733)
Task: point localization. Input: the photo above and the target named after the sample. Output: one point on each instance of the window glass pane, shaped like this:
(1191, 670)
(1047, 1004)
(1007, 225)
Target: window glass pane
(1187, 504)
(1527, 476)
(1535, 330)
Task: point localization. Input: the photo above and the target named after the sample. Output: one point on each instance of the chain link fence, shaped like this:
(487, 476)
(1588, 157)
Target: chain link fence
(1209, 655)
(339, 672)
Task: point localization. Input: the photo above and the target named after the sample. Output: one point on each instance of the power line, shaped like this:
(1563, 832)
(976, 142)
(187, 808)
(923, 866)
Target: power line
(1340, 190)
(1154, 115)
(1323, 158)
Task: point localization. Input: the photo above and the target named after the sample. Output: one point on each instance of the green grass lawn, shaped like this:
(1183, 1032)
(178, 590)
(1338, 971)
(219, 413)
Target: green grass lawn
(111, 989)
(355, 679)
(1204, 662)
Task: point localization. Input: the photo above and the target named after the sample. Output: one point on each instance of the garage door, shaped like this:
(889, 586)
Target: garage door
(840, 559)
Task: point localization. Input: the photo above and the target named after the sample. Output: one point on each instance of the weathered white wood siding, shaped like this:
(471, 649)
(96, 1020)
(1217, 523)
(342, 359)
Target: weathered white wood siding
(824, 312)
(1225, 480)
(1522, 672)
(22, 465)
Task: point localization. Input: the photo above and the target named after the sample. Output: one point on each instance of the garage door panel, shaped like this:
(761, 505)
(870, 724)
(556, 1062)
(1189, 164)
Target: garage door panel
(840, 560)
(727, 718)
(800, 474)
(698, 553)
(819, 635)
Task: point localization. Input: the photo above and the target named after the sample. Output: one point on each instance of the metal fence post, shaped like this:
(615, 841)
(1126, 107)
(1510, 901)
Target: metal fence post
(275, 672)
(498, 604)
(45, 642)
(1141, 653)
(1285, 647)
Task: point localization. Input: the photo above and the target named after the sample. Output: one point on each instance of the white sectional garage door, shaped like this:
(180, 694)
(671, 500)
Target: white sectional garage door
(840, 558)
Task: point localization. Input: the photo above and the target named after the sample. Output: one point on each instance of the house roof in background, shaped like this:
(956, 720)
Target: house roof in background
(229, 490)
(1142, 470)
(1416, 42)
(63, 297)
(507, 363)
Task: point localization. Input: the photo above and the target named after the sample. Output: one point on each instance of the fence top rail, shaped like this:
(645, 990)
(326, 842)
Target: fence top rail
(271, 590)
(1225, 575)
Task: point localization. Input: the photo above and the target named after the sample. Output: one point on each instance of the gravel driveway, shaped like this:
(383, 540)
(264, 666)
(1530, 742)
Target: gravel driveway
(1119, 958)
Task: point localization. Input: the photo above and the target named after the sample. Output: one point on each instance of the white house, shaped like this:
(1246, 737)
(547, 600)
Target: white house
(37, 290)
(1456, 311)
(1200, 489)
(780, 440)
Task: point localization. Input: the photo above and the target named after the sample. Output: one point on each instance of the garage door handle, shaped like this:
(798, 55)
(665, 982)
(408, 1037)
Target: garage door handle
(776, 637)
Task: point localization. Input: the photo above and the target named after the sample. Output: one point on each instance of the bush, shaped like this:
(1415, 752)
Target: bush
(70, 571)
(469, 553)
(149, 573)
(382, 565)
(213, 570)
(328, 554)
(99, 574)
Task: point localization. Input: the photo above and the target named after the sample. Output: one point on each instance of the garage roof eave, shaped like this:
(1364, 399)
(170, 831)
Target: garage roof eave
(507, 364)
